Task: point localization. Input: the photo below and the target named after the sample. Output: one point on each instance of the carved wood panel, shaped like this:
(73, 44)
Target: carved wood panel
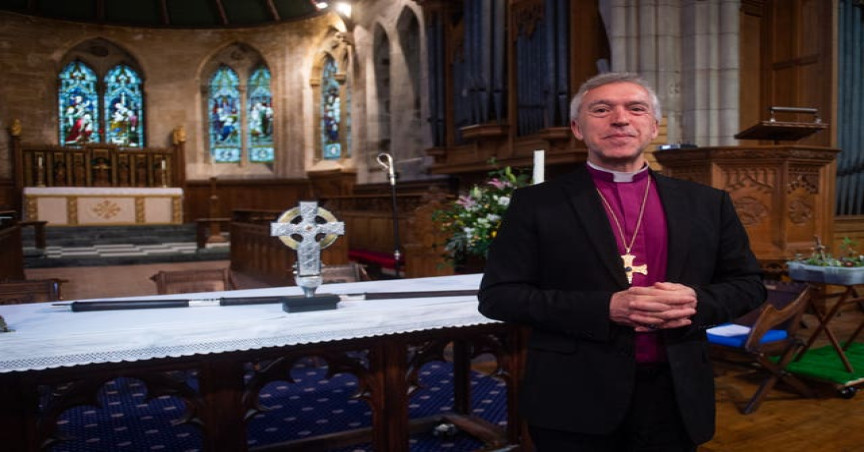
(782, 194)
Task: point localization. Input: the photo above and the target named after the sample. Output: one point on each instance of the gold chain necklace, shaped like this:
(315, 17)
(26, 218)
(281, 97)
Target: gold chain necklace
(628, 258)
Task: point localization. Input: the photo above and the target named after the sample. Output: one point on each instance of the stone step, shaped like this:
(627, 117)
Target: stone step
(81, 236)
(202, 255)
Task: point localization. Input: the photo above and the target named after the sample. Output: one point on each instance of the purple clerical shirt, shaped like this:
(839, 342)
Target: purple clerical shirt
(624, 192)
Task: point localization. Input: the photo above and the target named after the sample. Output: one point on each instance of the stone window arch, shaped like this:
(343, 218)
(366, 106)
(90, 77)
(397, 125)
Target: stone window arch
(331, 94)
(238, 107)
(100, 96)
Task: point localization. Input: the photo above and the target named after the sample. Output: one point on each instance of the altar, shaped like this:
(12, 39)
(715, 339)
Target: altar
(234, 350)
(103, 206)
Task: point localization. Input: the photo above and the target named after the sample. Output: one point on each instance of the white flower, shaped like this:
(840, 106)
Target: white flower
(504, 201)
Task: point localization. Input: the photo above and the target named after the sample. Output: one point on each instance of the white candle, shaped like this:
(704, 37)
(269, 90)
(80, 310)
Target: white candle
(40, 161)
(163, 164)
(538, 166)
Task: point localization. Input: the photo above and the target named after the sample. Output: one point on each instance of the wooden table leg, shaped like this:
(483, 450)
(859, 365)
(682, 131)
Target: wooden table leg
(223, 424)
(389, 398)
(461, 378)
(517, 430)
(823, 325)
(18, 414)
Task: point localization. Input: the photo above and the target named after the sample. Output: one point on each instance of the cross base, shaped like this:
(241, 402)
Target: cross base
(314, 303)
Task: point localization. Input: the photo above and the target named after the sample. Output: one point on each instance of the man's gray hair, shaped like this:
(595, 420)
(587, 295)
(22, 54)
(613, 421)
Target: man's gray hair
(613, 77)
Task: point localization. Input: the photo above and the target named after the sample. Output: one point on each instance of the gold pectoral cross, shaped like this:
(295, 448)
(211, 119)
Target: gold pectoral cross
(629, 268)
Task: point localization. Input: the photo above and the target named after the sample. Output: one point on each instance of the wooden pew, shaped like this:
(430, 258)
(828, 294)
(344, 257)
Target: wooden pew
(11, 250)
(369, 234)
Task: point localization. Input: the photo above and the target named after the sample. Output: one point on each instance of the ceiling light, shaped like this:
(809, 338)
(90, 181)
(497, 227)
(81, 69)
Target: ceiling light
(344, 8)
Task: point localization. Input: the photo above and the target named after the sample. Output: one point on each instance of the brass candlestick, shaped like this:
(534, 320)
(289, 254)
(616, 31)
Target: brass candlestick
(164, 173)
(40, 172)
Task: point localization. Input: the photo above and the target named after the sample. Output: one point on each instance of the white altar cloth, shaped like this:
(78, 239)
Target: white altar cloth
(46, 337)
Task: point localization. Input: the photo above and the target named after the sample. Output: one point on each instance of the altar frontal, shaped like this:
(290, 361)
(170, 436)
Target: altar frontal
(97, 206)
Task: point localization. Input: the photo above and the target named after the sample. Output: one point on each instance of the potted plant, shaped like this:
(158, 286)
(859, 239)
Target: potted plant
(822, 267)
(473, 219)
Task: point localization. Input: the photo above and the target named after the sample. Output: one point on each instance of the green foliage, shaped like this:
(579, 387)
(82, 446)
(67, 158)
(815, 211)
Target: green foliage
(472, 220)
(849, 257)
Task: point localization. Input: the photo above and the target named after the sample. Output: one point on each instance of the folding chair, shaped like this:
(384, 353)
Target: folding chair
(766, 338)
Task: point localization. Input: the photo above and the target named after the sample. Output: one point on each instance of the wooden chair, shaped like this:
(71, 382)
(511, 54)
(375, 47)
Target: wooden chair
(771, 342)
(29, 291)
(190, 281)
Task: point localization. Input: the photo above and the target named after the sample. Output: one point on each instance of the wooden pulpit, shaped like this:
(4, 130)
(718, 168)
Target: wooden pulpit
(783, 193)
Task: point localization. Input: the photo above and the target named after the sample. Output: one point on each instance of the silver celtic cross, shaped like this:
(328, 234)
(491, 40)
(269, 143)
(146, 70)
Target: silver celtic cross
(307, 229)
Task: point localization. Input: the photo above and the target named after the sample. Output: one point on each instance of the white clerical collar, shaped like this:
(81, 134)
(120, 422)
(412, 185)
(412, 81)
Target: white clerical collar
(619, 176)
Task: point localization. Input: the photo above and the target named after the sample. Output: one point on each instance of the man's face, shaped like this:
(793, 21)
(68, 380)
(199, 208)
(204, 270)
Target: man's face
(616, 122)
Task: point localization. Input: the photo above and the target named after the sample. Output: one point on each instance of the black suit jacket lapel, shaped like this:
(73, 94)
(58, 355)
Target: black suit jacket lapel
(590, 212)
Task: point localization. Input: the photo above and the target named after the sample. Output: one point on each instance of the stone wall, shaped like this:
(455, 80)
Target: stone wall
(174, 63)
(32, 50)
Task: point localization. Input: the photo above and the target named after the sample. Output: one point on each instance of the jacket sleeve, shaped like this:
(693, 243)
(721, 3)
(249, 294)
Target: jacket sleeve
(517, 287)
(736, 285)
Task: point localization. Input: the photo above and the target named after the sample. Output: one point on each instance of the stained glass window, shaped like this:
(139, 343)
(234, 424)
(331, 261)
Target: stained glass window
(224, 106)
(331, 148)
(259, 111)
(123, 107)
(346, 130)
(79, 105)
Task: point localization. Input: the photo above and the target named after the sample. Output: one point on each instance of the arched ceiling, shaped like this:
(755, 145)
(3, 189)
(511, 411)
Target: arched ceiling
(167, 13)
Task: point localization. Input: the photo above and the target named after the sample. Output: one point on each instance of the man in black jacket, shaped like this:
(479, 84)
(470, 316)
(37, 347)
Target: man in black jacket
(619, 271)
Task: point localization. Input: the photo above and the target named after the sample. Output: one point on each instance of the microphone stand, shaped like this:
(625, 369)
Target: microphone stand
(386, 161)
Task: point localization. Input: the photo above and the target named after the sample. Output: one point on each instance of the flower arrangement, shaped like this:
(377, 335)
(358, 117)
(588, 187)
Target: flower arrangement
(822, 267)
(473, 219)
(848, 258)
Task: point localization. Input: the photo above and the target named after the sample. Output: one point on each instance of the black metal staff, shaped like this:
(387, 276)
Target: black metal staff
(386, 160)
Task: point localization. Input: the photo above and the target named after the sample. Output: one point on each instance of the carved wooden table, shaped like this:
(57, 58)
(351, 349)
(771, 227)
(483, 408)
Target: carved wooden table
(230, 377)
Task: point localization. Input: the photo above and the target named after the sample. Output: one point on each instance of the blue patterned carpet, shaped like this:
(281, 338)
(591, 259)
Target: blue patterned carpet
(129, 421)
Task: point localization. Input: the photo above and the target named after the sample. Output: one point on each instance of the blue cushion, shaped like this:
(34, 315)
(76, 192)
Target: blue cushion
(738, 340)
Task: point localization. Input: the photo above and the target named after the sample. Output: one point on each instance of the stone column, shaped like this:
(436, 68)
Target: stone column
(667, 41)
